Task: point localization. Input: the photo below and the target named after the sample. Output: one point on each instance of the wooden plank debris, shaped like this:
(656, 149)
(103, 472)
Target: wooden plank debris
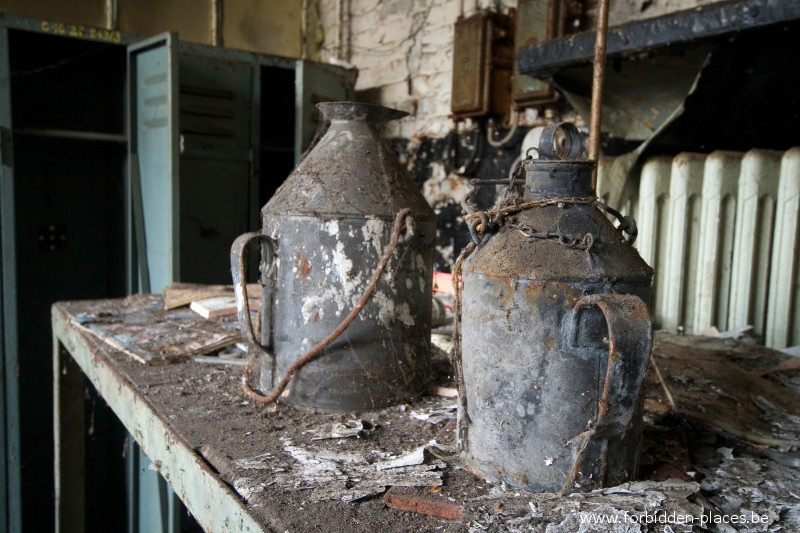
(708, 386)
(180, 294)
(218, 306)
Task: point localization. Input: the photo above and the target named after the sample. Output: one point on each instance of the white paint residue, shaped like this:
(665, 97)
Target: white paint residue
(313, 306)
(385, 307)
(404, 314)
(420, 262)
(409, 283)
(332, 227)
(239, 291)
(343, 264)
(373, 231)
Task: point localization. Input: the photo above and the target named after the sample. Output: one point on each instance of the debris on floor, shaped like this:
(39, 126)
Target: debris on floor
(435, 416)
(330, 474)
(721, 443)
(712, 387)
(752, 487)
(350, 428)
(627, 508)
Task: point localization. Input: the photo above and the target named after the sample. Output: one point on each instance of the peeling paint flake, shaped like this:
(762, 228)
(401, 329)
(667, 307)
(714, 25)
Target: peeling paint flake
(373, 234)
(332, 227)
(404, 314)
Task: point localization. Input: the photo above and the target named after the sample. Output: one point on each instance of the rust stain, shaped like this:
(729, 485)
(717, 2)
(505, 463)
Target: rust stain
(407, 500)
(303, 265)
(639, 312)
(613, 355)
(549, 341)
(604, 406)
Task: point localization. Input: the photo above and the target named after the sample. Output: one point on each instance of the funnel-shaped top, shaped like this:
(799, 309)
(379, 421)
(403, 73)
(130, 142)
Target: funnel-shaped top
(350, 171)
(358, 111)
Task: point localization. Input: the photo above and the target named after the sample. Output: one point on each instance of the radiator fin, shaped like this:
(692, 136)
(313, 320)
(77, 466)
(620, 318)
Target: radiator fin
(755, 213)
(722, 233)
(653, 221)
(683, 237)
(717, 220)
(783, 314)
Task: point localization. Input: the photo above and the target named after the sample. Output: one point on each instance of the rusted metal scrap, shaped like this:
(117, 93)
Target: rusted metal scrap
(421, 502)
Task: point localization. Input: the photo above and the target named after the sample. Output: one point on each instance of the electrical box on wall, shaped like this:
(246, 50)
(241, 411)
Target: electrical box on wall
(483, 62)
(536, 21)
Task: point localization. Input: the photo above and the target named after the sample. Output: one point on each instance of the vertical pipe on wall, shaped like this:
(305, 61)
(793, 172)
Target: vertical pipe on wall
(597, 83)
(216, 22)
(304, 30)
(111, 14)
(344, 26)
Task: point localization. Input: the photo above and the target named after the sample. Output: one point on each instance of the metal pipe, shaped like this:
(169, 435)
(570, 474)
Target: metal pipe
(216, 22)
(111, 14)
(598, 76)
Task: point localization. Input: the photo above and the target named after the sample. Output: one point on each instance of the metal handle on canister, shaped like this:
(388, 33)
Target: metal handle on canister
(630, 339)
(239, 274)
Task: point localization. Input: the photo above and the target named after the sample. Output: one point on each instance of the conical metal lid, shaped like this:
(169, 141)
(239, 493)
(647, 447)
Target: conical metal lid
(350, 172)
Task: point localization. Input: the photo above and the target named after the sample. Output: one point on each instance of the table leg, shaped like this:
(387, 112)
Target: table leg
(69, 431)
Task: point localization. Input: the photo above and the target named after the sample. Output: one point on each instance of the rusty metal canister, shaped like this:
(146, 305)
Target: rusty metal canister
(323, 233)
(555, 335)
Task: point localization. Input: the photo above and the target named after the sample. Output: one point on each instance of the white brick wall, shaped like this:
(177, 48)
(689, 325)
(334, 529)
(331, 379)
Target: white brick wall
(413, 73)
(404, 49)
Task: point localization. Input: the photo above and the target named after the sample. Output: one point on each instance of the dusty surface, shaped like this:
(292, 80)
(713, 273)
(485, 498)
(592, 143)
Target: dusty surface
(295, 477)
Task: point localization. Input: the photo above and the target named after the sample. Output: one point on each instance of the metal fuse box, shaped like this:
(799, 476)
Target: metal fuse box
(482, 65)
(536, 21)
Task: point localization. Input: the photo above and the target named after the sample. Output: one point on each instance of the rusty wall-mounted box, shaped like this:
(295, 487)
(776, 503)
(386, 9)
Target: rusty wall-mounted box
(483, 62)
(536, 21)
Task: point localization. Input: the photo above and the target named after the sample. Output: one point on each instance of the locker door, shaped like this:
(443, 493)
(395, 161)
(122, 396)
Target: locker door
(154, 155)
(216, 160)
(315, 83)
(10, 482)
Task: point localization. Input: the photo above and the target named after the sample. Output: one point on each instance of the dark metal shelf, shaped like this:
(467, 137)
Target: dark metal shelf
(73, 134)
(689, 26)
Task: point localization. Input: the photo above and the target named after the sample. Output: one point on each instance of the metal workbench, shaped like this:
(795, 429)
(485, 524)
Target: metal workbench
(243, 467)
(194, 424)
(77, 353)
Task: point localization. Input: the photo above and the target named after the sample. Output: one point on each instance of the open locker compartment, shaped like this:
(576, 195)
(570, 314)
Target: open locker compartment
(67, 224)
(67, 235)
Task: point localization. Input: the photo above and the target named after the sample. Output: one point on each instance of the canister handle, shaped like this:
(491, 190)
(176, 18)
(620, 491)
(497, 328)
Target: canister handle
(239, 274)
(630, 339)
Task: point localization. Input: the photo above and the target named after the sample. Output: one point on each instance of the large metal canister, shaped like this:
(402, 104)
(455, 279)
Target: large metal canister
(555, 334)
(323, 233)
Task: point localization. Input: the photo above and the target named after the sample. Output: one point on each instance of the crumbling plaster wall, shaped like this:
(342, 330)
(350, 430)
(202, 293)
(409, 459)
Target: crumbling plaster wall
(403, 48)
(403, 52)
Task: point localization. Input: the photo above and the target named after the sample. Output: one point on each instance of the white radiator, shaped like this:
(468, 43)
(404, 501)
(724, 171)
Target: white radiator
(721, 232)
